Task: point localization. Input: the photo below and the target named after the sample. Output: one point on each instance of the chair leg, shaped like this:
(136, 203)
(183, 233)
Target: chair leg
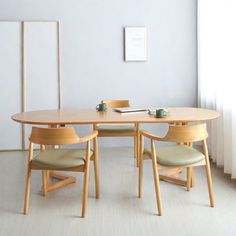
(209, 183)
(189, 178)
(48, 176)
(140, 179)
(45, 181)
(192, 179)
(136, 149)
(85, 193)
(86, 179)
(208, 174)
(140, 173)
(190, 144)
(27, 192)
(156, 179)
(157, 188)
(96, 169)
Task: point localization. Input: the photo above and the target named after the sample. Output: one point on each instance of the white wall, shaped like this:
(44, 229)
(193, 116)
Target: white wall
(92, 49)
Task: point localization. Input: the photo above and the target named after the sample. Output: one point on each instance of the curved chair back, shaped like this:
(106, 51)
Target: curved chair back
(54, 136)
(116, 103)
(186, 133)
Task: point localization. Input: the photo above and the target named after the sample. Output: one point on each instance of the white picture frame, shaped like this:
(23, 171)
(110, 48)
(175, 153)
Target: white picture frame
(135, 44)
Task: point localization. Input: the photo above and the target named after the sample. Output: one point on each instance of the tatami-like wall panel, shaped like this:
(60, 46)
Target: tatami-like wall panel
(29, 75)
(10, 74)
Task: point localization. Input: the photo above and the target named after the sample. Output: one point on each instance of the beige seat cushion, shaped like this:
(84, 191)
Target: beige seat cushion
(179, 155)
(116, 127)
(60, 158)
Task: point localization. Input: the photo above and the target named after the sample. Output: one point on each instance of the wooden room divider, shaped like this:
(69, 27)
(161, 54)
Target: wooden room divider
(30, 75)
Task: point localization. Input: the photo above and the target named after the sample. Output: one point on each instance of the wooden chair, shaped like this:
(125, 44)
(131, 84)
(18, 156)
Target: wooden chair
(61, 159)
(181, 155)
(119, 130)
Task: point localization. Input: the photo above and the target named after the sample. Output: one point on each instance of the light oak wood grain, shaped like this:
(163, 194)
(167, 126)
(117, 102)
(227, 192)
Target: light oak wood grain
(60, 136)
(91, 116)
(101, 133)
(177, 115)
(186, 135)
(116, 103)
(119, 211)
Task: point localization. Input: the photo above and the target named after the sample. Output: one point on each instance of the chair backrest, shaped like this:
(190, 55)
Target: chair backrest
(54, 136)
(186, 133)
(116, 103)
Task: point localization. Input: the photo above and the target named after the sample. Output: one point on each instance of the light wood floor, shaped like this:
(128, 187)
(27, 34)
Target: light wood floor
(119, 211)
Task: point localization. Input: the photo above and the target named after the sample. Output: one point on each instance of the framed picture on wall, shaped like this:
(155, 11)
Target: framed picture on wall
(135, 44)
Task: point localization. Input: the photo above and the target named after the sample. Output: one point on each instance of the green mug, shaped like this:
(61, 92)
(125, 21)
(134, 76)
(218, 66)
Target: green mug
(101, 107)
(160, 113)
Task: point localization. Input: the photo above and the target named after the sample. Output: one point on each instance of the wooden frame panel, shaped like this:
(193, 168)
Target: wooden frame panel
(23, 71)
(10, 83)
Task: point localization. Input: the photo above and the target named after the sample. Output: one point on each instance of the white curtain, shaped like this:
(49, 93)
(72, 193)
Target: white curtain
(217, 76)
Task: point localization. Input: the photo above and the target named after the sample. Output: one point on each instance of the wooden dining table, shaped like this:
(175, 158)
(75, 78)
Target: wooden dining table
(62, 117)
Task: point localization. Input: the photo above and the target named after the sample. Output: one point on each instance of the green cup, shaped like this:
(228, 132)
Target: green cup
(160, 113)
(101, 107)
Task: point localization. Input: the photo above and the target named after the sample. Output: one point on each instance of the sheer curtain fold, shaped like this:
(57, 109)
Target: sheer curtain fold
(217, 76)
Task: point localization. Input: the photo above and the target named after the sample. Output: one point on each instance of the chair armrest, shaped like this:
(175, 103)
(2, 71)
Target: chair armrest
(89, 137)
(150, 136)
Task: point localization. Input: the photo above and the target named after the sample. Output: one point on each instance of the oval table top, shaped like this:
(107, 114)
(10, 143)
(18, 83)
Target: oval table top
(91, 116)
